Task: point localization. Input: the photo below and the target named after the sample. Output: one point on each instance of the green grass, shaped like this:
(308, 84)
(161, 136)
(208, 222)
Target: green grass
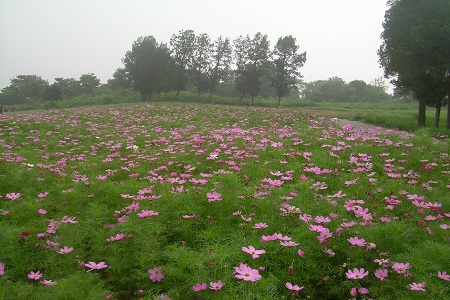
(156, 150)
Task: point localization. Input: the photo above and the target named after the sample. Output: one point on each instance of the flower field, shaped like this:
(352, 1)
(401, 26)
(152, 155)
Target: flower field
(165, 201)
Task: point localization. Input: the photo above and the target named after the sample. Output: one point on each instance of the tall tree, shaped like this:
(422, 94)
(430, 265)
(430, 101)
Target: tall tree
(414, 50)
(182, 49)
(120, 80)
(24, 88)
(89, 83)
(141, 65)
(241, 46)
(220, 63)
(251, 57)
(166, 70)
(199, 63)
(70, 87)
(287, 63)
(258, 56)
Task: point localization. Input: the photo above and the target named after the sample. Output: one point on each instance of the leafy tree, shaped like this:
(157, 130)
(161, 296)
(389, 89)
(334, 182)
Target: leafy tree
(251, 57)
(89, 83)
(24, 88)
(414, 50)
(166, 70)
(221, 58)
(257, 57)
(120, 80)
(53, 93)
(69, 87)
(286, 65)
(199, 62)
(241, 46)
(333, 89)
(182, 49)
(142, 67)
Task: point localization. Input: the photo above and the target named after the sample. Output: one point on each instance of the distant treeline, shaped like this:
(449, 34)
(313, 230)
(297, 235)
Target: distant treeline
(243, 68)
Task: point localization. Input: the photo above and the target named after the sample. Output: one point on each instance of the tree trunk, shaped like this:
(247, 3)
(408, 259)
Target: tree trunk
(438, 115)
(279, 101)
(210, 96)
(176, 95)
(422, 110)
(198, 97)
(144, 96)
(448, 110)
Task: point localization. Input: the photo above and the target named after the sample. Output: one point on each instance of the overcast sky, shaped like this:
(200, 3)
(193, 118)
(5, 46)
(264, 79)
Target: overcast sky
(68, 38)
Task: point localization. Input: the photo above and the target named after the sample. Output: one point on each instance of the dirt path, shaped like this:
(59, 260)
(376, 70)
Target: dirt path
(369, 127)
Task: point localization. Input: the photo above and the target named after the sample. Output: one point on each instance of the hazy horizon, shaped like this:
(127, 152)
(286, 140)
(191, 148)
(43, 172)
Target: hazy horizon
(51, 38)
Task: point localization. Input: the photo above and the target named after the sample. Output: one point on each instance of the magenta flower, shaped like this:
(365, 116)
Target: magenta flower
(355, 241)
(400, 267)
(363, 290)
(381, 274)
(147, 213)
(65, 250)
(94, 266)
(35, 276)
(246, 273)
(251, 250)
(13, 196)
(156, 274)
(215, 286)
(301, 253)
(288, 243)
(293, 287)
(417, 286)
(442, 275)
(2, 268)
(356, 274)
(260, 225)
(214, 196)
(47, 282)
(199, 287)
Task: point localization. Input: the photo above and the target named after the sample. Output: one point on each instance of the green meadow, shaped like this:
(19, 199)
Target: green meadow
(205, 201)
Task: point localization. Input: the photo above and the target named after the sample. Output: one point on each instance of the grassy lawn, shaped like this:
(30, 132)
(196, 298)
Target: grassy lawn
(184, 201)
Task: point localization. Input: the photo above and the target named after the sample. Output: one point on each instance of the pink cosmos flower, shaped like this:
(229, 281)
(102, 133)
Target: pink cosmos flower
(417, 286)
(400, 267)
(442, 275)
(215, 286)
(293, 287)
(35, 276)
(65, 250)
(363, 290)
(47, 282)
(199, 287)
(301, 253)
(156, 274)
(381, 274)
(246, 273)
(42, 211)
(147, 213)
(288, 243)
(13, 196)
(43, 195)
(214, 196)
(251, 250)
(260, 225)
(2, 268)
(189, 217)
(94, 266)
(356, 241)
(356, 274)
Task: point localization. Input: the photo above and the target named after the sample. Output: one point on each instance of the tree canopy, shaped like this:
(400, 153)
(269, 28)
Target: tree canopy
(415, 50)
